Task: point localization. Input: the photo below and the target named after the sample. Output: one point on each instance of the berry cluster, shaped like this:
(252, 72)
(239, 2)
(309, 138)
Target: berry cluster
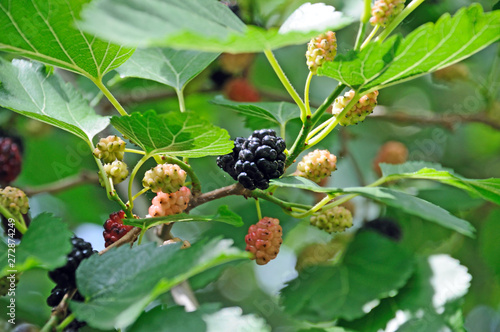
(110, 149)
(10, 159)
(391, 152)
(384, 11)
(359, 111)
(116, 171)
(14, 200)
(336, 219)
(264, 240)
(167, 178)
(321, 49)
(114, 229)
(65, 278)
(317, 165)
(256, 160)
(168, 204)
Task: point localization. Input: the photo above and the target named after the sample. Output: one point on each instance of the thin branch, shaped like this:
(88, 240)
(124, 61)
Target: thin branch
(129, 237)
(448, 120)
(234, 189)
(59, 312)
(66, 183)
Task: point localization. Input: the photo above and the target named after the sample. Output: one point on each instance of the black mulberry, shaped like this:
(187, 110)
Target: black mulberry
(256, 160)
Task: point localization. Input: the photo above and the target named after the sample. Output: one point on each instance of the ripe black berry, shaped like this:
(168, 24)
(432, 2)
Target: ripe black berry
(65, 276)
(10, 159)
(256, 160)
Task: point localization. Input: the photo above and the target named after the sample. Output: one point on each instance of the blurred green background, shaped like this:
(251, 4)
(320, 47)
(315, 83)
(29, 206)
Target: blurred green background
(470, 147)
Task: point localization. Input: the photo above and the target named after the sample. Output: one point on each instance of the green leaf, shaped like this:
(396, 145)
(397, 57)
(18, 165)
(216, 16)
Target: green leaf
(169, 320)
(103, 279)
(430, 47)
(223, 215)
(373, 267)
(397, 199)
(47, 254)
(150, 23)
(420, 296)
(202, 320)
(255, 39)
(165, 65)
(48, 31)
(27, 88)
(415, 206)
(488, 189)
(174, 133)
(232, 319)
(278, 113)
(203, 25)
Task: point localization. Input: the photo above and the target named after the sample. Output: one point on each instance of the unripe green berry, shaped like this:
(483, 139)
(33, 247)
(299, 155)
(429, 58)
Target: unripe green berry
(359, 111)
(116, 171)
(317, 165)
(110, 149)
(321, 49)
(384, 11)
(14, 200)
(336, 219)
(167, 178)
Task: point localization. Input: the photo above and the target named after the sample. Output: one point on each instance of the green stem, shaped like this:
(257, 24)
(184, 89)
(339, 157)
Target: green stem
(306, 93)
(398, 19)
(315, 208)
(318, 128)
(351, 196)
(180, 96)
(110, 191)
(135, 151)
(286, 206)
(48, 327)
(360, 36)
(65, 322)
(316, 139)
(195, 182)
(370, 36)
(110, 97)
(300, 143)
(131, 180)
(259, 212)
(365, 17)
(18, 225)
(286, 83)
(144, 190)
(283, 130)
(143, 231)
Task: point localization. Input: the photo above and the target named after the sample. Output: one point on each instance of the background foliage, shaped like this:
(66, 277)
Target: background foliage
(439, 278)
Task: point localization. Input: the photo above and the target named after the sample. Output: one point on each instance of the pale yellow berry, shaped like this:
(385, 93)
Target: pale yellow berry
(110, 149)
(321, 49)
